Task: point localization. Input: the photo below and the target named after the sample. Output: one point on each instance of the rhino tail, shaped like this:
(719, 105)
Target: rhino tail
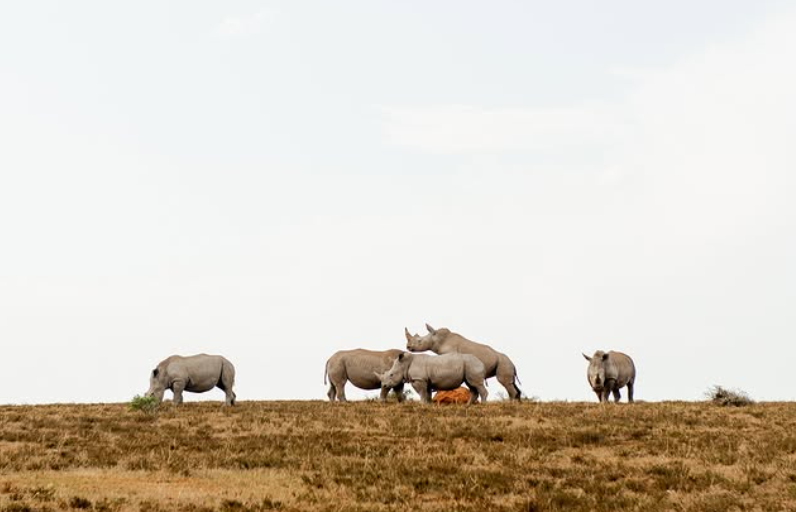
(325, 372)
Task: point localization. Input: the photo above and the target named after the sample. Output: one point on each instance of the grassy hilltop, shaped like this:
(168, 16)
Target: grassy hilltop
(367, 456)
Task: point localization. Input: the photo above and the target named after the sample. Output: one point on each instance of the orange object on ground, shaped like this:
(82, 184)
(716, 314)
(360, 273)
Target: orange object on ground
(454, 396)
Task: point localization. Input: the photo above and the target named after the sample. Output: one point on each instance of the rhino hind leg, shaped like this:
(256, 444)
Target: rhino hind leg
(225, 383)
(630, 392)
(511, 387)
(507, 376)
(617, 395)
(477, 390)
(230, 397)
(340, 388)
(331, 393)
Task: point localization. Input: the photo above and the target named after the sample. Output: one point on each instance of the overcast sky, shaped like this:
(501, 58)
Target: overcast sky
(275, 181)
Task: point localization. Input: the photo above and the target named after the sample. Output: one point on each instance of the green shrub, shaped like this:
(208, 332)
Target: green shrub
(147, 404)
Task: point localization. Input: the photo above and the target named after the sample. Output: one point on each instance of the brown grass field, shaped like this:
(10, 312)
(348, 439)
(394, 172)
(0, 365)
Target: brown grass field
(368, 456)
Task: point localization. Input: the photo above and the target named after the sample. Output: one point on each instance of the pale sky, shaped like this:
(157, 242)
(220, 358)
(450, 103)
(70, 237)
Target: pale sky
(275, 181)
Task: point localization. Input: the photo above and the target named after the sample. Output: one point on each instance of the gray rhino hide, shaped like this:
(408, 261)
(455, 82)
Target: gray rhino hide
(608, 372)
(196, 374)
(431, 373)
(358, 366)
(443, 341)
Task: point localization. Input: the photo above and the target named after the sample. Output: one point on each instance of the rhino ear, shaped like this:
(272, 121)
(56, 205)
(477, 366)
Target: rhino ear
(155, 372)
(587, 357)
(605, 356)
(401, 356)
(431, 329)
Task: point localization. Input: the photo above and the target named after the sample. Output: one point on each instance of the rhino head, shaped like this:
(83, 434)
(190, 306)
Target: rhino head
(417, 343)
(397, 372)
(596, 370)
(157, 386)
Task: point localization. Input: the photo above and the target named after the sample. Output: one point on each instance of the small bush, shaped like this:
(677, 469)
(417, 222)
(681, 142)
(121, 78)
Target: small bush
(728, 397)
(17, 507)
(147, 404)
(79, 503)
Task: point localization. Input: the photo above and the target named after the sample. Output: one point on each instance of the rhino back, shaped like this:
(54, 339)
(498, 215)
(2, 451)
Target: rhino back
(443, 372)
(456, 343)
(474, 366)
(200, 372)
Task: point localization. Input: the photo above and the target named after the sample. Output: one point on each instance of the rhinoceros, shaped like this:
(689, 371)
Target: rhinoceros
(429, 373)
(357, 366)
(443, 341)
(196, 374)
(608, 372)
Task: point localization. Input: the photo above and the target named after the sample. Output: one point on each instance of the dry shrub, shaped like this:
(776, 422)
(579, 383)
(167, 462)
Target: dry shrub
(728, 397)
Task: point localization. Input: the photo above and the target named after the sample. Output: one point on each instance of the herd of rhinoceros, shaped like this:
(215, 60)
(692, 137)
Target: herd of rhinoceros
(458, 361)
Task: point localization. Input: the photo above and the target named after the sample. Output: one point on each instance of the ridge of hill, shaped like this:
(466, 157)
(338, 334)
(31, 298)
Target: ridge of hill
(369, 456)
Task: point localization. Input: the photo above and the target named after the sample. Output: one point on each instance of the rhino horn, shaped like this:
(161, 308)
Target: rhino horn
(587, 357)
(408, 336)
(431, 329)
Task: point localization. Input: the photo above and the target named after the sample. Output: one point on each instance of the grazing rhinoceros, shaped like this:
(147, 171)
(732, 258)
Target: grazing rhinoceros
(430, 373)
(608, 372)
(443, 341)
(196, 374)
(357, 366)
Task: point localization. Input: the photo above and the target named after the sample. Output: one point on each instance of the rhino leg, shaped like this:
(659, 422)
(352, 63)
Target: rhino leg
(599, 395)
(476, 391)
(422, 389)
(399, 392)
(340, 392)
(331, 392)
(617, 396)
(507, 376)
(230, 398)
(630, 392)
(511, 388)
(608, 389)
(177, 388)
(484, 393)
(225, 384)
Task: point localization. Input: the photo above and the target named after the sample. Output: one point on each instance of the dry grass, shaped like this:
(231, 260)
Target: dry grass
(369, 456)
